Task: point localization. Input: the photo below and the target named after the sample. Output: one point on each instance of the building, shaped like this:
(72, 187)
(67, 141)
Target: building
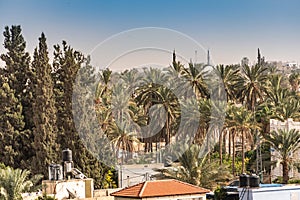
(136, 173)
(293, 65)
(69, 189)
(161, 189)
(271, 191)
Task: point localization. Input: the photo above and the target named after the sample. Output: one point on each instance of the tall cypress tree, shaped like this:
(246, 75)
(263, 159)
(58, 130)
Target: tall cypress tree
(88, 138)
(45, 131)
(66, 68)
(11, 124)
(66, 64)
(18, 75)
(17, 59)
(17, 62)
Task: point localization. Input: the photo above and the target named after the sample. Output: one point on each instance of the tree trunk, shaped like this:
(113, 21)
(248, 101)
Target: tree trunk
(229, 143)
(167, 132)
(243, 152)
(221, 146)
(233, 153)
(285, 171)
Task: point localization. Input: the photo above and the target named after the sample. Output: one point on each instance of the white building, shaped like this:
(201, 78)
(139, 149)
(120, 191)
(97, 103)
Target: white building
(287, 192)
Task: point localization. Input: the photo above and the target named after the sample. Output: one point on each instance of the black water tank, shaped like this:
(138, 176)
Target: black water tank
(254, 180)
(67, 155)
(244, 180)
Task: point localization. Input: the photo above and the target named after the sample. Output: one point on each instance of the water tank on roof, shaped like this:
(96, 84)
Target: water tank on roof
(67, 155)
(254, 180)
(55, 172)
(244, 180)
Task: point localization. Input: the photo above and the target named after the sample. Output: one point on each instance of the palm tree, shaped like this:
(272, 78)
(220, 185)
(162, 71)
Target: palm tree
(105, 78)
(195, 169)
(241, 120)
(197, 75)
(280, 103)
(155, 91)
(123, 136)
(217, 120)
(294, 80)
(103, 96)
(253, 85)
(275, 92)
(229, 76)
(275, 97)
(285, 143)
(13, 182)
(288, 109)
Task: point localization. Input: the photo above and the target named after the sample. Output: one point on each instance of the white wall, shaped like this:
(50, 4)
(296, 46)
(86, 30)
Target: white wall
(274, 193)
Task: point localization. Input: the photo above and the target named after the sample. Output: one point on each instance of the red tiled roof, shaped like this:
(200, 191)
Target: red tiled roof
(159, 188)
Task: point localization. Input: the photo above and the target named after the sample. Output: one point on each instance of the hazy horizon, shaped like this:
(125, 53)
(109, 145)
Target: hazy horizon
(230, 29)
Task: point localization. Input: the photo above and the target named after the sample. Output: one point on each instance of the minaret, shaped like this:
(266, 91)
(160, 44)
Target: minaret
(195, 57)
(208, 57)
(258, 57)
(174, 56)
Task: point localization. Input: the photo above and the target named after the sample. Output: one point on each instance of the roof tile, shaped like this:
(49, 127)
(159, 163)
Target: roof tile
(160, 188)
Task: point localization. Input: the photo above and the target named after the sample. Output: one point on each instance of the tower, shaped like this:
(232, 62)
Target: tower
(208, 57)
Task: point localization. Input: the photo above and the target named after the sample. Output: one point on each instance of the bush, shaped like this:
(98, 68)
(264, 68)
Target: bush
(278, 180)
(220, 193)
(46, 197)
(294, 181)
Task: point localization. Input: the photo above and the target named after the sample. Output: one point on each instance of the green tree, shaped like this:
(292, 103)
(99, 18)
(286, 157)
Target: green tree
(156, 90)
(285, 143)
(229, 76)
(195, 169)
(17, 59)
(69, 65)
(288, 109)
(19, 78)
(123, 139)
(11, 124)
(241, 120)
(14, 182)
(90, 146)
(66, 64)
(103, 93)
(252, 85)
(45, 131)
(103, 90)
(294, 80)
(197, 74)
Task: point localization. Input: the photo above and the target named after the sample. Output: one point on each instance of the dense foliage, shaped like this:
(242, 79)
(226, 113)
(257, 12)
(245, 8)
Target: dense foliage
(40, 103)
(14, 182)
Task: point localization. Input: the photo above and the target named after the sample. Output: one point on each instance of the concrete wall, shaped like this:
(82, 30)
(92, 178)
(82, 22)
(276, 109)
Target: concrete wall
(105, 192)
(81, 188)
(134, 174)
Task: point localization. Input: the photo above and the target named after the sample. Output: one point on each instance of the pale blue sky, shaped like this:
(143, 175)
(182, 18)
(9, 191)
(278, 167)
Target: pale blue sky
(231, 29)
